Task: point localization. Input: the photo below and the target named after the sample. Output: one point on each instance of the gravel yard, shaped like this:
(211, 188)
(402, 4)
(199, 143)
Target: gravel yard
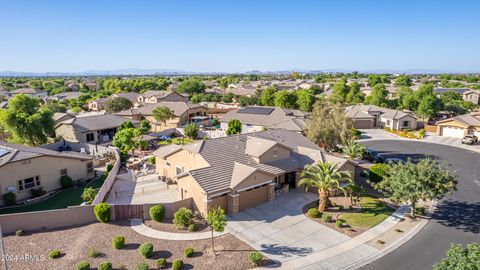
(76, 242)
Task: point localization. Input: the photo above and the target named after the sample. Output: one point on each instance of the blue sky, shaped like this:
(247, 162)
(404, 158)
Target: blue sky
(236, 36)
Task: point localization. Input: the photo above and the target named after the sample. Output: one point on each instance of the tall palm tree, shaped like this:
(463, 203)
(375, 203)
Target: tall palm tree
(326, 177)
(162, 114)
(353, 150)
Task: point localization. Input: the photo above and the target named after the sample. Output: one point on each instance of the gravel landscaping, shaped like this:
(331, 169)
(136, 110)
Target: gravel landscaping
(75, 243)
(168, 226)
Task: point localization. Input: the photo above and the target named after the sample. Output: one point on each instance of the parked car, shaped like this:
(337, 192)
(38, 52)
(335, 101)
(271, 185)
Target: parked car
(470, 139)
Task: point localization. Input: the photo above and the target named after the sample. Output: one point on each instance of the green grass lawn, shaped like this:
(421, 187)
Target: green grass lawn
(373, 212)
(176, 141)
(62, 199)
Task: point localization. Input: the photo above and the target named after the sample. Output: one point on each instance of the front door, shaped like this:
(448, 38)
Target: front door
(290, 179)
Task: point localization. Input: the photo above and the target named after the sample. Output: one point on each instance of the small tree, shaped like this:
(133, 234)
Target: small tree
(191, 130)
(353, 150)
(145, 126)
(409, 182)
(234, 127)
(127, 139)
(117, 104)
(102, 212)
(217, 221)
(326, 177)
(89, 194)
(460, 258)
(162, 114)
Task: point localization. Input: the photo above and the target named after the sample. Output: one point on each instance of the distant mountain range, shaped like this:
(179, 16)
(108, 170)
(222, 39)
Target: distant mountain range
(138, 71)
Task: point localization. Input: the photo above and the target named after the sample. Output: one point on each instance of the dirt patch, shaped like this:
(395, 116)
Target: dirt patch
(392, 235)
(31, 251)
(168, 226)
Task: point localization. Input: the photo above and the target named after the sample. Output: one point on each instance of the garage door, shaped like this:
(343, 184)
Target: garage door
(253, 197)
(453, 132)
(363, 124)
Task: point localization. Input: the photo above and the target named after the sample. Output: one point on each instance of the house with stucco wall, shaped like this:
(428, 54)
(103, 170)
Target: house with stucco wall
(241, 171)
(371, 116)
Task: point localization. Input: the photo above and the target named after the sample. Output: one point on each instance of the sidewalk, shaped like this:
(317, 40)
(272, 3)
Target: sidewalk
(138, 226)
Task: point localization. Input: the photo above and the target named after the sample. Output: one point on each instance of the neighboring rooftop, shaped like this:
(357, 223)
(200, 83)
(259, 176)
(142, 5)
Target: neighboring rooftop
(361, 111)
(97, 122)
(178, 108)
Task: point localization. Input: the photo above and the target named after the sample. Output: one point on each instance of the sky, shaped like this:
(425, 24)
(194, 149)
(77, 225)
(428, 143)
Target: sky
(238, 36)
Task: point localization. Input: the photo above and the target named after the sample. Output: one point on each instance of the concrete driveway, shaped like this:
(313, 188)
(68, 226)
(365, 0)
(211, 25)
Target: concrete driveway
(280, 230)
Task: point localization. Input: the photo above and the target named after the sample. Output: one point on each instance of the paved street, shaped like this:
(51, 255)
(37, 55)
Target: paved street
(457, 219)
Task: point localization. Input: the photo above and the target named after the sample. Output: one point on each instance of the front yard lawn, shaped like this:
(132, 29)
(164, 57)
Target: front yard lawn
(373, 212)
(176, 141)
(62, 199)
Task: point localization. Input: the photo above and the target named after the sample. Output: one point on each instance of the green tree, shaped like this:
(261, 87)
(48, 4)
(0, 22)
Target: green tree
(145, 127)
(406, 98)
(429, 106)
(234, 127)
(354, 95)
(127, 139)
(217, 220)
(403, 80)
(191, 86)
(27, 121)
(460, 258)
(326, 177)
(127, 124)
(353, 150)
(339, 92)
(378, 96)
(89, 194)
(117, 104)
(268, 96)
(410, 182)
(285, 99)
(354, 190)
(305, 99)
(191, 130)
(328, 126)
(162, 114)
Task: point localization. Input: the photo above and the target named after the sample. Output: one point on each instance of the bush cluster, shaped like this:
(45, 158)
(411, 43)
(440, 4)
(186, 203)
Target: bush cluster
(102, 212)
(177, 265)
(157, 212)
(314, 213)
(146, 250)
(118, 242)
(183, 218)
(255, 258)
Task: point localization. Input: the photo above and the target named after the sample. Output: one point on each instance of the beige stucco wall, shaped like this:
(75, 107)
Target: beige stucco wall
(254, 179)
(69, 133)
(190, 189)
(47, 168)
(269, 155)
(184, 159)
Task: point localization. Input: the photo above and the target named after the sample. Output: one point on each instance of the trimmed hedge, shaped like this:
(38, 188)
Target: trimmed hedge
(102, 212)
(188, 252)
(183, 218)
(157, 212)
(146, 250)
(378, 171)
(314, 213)
(177, 265)
(118, 242)
(327, 218)
(66, 181)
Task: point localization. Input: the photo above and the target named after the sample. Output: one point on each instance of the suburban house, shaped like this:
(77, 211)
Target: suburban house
(371, 116)
(183, 113)
(460, 126)
(33, 167)
(91, 129)
(64, 96)
(132, 96)
(468, 94)
(29, 91)
(97, 104)
(258, 118)
(155, 96)
(241, 171)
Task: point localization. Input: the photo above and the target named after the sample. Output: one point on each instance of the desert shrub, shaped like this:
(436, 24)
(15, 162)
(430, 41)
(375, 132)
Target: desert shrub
(151, 160)
(20, 232)
(157, 212)
(160, 263)
(93, 253)
(255, 258)
(177, 265)
(109, 167)
(339, 223)
(83, 265)
(105, 266)
(9, 198)
(420, 210)
(37, 192)
(378, 171)
(142, 266)
(102, 212)
(327, 217)
(341, 207)
(146, 250)
(188, 252)
(118, 242)
(421, 133)
(54, 254)
(66, 181)
(192, 227)
(314, 213)
(183, 217)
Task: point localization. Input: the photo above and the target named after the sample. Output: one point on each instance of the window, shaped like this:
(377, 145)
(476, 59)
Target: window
(90, 167)
(28, 183)
(63, 172)
(178, 170)
(388, 122)
(405, 123)
(90, 137)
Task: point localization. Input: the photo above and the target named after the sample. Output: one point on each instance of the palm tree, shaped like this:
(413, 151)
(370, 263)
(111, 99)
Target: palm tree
(326, 177)
(162, 114)
(353, 150)
(354, 190)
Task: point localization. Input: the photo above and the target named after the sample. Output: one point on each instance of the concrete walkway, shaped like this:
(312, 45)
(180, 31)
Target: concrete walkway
(138, 226)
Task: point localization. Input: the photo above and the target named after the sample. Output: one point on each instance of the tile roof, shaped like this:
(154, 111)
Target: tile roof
(352, 112)
(26, 91)
(178, 108)
(471, 119)
(97, 122)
